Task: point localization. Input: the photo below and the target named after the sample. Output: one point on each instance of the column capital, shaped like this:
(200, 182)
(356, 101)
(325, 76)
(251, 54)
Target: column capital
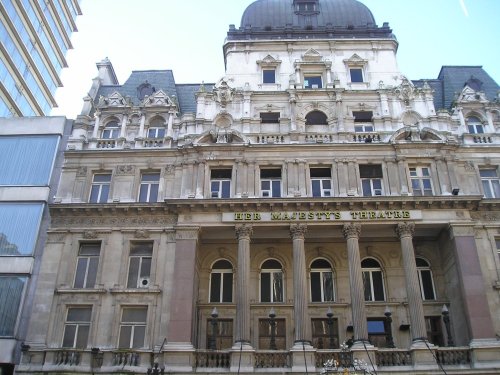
(244, 231)
(187, 233)
(351, 230)
(405, 229)
(298, 231)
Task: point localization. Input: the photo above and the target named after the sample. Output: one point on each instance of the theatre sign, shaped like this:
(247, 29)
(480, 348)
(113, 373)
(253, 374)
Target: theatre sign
(322, 216)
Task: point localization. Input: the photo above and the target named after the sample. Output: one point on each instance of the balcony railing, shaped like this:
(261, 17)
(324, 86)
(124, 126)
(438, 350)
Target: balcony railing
(126, 358)
(273, 359)
(343, 358)
(453, 356)
(213, 359)
(393, 357)
(67, 357)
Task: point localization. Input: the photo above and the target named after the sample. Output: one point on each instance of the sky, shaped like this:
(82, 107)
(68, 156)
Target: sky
(187, 37)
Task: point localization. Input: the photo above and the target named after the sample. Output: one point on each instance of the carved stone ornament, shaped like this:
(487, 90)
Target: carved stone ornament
(81, 172)
(125, 170)
(221, 135)
(187, 233)
(244, 231)
(405, 229)
(406, 91)
(90, 234)
(158, 98)
(113, 100)
(298, 231)
(107, 221)
(170, 169)
(351, 230)
(223, 92)
(485, 216)
(141, 233)
(469, 166)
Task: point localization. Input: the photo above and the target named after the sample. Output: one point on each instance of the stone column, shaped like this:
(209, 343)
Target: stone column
(170, 132)
(242, 327)
(141, 126)
(184, 295)
(351, 233)
(402, 175)
(415, 305)
(300, 300)
(123, 126)
(95, 132)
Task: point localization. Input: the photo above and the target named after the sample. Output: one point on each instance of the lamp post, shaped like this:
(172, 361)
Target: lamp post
(446, 320)
(388, 328)
(272, 324)
(213, 322)
(329, 315)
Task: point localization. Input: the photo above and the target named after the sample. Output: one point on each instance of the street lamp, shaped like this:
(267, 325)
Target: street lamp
(446, 320)
(272, 324)
(213, 340)
(389, 340)
(329, 315)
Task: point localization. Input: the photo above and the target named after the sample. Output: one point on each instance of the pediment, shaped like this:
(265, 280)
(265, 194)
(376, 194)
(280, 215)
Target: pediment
(414, 134)
(220, 136)
(468, 94)
(158, 98)
(355, 60)
(113, 100)
(269, 61)
(311, 55)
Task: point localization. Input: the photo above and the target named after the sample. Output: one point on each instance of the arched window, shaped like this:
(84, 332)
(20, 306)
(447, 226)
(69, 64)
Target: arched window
(156, 128)
(316, 118)
(425, 279)
(373, 280)
(271, 281)
(475, 125)
(221, 282)
(322, 281)
(111, 130)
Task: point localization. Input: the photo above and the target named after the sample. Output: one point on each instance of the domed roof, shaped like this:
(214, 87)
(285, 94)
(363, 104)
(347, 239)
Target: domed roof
(281, 13)
(304, 19)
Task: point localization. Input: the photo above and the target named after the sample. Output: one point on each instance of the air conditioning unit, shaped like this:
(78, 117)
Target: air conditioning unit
(143, 282)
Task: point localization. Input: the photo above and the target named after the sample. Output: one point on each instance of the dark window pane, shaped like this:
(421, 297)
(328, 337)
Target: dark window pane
(94, 193)
(378, 286)
(265, 287)
(226, 189)
(215, 285)
(356, 75)
(222, 265)
(92, 272)
(370, 263)
(145, 267)
(316, 188)
(90, 249)
(316, 118)
(82, 337)
(125, 332)
(277, 287)
(270, 173)
(370, 171)
(427, 284)
(271, 264)
(268, 76)
(276, 188)
(69, 335)
(376, 326)
(321, 263)
(321, 172)
(227, 292)
(139, 334)
(367, 284)
(81, 269)
(153, 194)
(362, 116)
(367, 188)
(220, 173)
(104, 194)
(313, 82)
(133, 272)
(270, 117)
(315, 287)
(328, 286)
(141, 248)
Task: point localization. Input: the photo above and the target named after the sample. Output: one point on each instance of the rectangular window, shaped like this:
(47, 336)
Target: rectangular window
(371, 180)
(270, 117)
(268, 76)
(376, 332)
(426, 284)
(356, 74)
(27, 160)
(490, 182)
(220, 183)
(270, 183)
(139, 269)
(421, 181)
(156, 133)
(321, 333)
(475, 128)
(87, 264)
(321, 182)
(133, 327)
(271, 286)
(265, 334)
(224, 334)
(11, 294)
(434, 333)
(373, 285)
(363, 121)
(150, 183)
(77, 327)
(19, 224)
(99, 190)
(497, 242)
(322, 286)
(313, 81)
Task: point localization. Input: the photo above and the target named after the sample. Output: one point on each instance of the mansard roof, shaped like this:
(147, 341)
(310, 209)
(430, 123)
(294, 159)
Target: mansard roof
(287, 19)
(158, 80)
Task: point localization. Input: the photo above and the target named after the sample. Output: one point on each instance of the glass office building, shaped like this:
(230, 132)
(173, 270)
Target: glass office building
(34, 38)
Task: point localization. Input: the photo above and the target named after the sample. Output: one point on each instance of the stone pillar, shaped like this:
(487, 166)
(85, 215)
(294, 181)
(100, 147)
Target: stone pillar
(184, 296)
(300, 300)
(415, 305)
(124, 126)
(95, 132)
(353, 179)
(141, 126)
(170, 132)
(339, 110)
(293, 120)
(351, 233)
(402, 175)
(242, 328)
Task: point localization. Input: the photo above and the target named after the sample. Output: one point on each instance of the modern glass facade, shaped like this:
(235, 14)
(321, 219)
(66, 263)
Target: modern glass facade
(34, 38)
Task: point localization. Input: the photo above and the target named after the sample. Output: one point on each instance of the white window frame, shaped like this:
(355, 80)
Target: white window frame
(361, 68)
(311, 75)
(417, 174)
(156, 131)
(475, 127)
(149, 185)
(221, 272)
(272, 272)
(88, 265)
(78, 325)
(322, 272)
(111, 131)
(100, 185)
(370, 271)
(420, 270)
(324, 192)
(140, 279)
(489, 181)
(134, 326)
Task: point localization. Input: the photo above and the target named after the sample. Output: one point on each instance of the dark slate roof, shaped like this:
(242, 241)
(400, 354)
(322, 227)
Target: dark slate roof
(273, 19)
(452, 79)
(160, 80)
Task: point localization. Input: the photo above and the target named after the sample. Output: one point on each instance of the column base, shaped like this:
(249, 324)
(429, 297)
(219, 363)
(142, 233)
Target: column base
(303, 357)
(485, 353)
(242, 358)
(241, 346)
(422, 355)
(179, 357)
(364, 351)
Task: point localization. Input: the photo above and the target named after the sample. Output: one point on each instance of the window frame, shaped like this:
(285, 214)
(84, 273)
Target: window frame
(100, 185)
(375, 337)
(134, 325)
(225, 333)
(270, 117)
(88, 258)
(151, 195)
(323, 337)
(322, 271)
(222, 287)
(316, 76)
(111, 131)
(490, 181)
(419, 177)
(320, 181)
(371, 189)
(475, 126)
(363, 121)
(356, 69)
(266, 77)
(142, 258)
(220, 186)
(264, 340)
(272, 272)
(370, 271)
(78, 324)
(427, 270)
(310, 117)
(275, 184)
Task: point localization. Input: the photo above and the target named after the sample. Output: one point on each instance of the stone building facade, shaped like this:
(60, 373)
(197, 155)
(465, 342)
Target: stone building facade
(312, 196)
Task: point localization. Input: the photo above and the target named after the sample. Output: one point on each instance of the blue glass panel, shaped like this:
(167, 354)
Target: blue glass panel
(11, 292)
(19, 223)
(27, 160)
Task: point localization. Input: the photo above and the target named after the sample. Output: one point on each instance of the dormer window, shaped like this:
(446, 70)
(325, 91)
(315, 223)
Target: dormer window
(306, 6)
(145, 89)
